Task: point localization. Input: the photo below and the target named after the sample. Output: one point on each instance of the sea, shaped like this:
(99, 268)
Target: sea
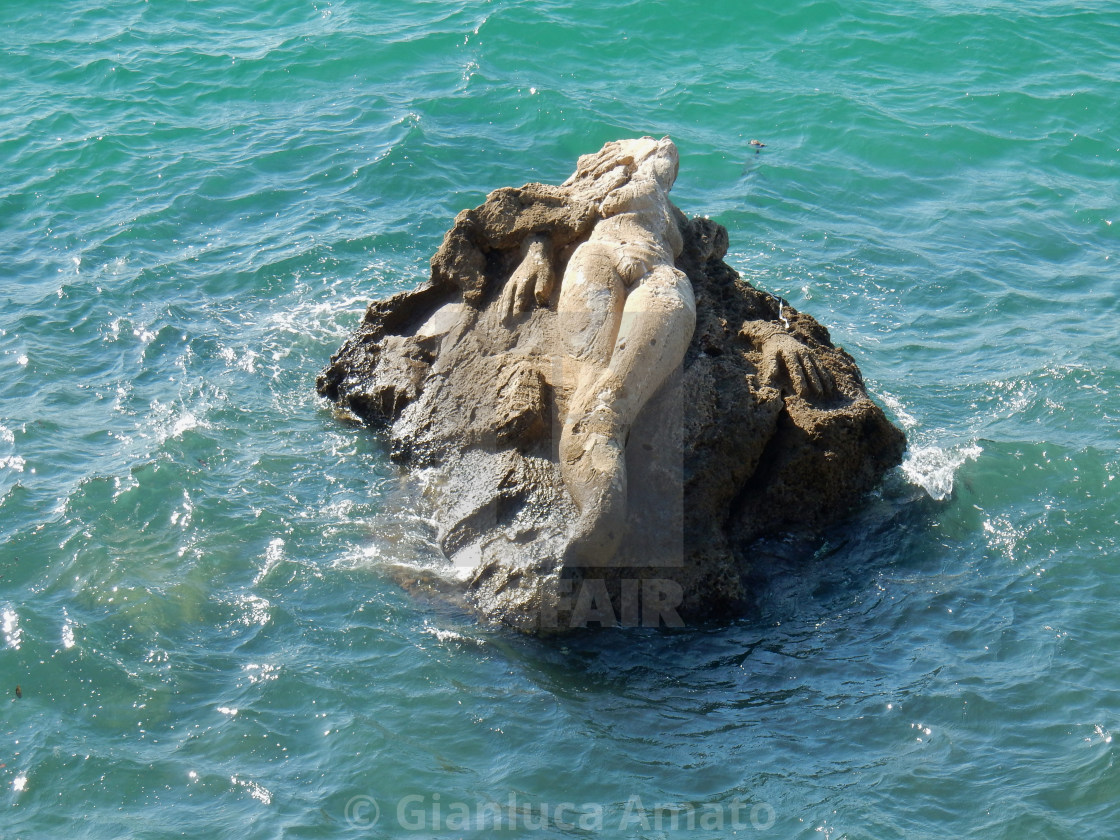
(200, 632)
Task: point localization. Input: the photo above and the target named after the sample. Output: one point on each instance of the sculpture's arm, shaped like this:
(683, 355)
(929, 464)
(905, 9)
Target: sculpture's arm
(533, 280)
(638, 195)
(784, 357)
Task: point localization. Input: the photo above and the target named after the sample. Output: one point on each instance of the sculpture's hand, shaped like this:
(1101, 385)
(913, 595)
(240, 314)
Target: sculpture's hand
(637, 195)
(785, 359)
(532, 280)
(618, 200)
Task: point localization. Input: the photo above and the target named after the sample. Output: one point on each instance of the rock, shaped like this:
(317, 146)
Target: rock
(626, 485)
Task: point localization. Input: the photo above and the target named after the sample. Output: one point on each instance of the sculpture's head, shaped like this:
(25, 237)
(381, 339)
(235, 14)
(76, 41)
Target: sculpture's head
(661, 162)
(621, 161)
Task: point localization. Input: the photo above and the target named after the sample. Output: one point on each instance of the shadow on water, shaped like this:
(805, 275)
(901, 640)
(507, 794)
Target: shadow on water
(799, 584)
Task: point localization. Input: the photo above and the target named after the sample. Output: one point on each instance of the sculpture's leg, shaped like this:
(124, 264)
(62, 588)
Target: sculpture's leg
(590, 306)
(590, 310)
(655, 328)
(654, 333)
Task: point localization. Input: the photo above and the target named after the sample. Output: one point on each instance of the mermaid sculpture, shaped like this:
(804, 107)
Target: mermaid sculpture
(626, 316)
(552, 318)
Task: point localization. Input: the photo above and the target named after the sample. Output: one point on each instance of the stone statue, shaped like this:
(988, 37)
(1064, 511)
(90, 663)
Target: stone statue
(581, 357)
(626, 316)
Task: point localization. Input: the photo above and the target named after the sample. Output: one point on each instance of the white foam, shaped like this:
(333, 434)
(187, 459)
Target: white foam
(184, 423)
(13, 462)
(933, 468)
(172, 423)
(317, 317)
(245, 361)
(273, 556)
(892, 402)
(442, 635)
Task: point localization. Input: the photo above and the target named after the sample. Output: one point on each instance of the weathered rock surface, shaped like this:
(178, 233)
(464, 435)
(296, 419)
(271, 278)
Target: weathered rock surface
(766, 427)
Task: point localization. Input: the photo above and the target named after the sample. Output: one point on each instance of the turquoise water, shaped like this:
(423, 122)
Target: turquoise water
(199, 198)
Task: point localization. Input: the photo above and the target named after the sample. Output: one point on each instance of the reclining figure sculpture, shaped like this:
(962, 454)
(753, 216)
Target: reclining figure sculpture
(604, 399)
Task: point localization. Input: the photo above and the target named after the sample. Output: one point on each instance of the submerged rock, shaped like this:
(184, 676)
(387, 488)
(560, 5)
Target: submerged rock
(612, 415)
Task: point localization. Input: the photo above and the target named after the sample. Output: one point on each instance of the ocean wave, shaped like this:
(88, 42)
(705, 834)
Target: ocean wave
(934, 468)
